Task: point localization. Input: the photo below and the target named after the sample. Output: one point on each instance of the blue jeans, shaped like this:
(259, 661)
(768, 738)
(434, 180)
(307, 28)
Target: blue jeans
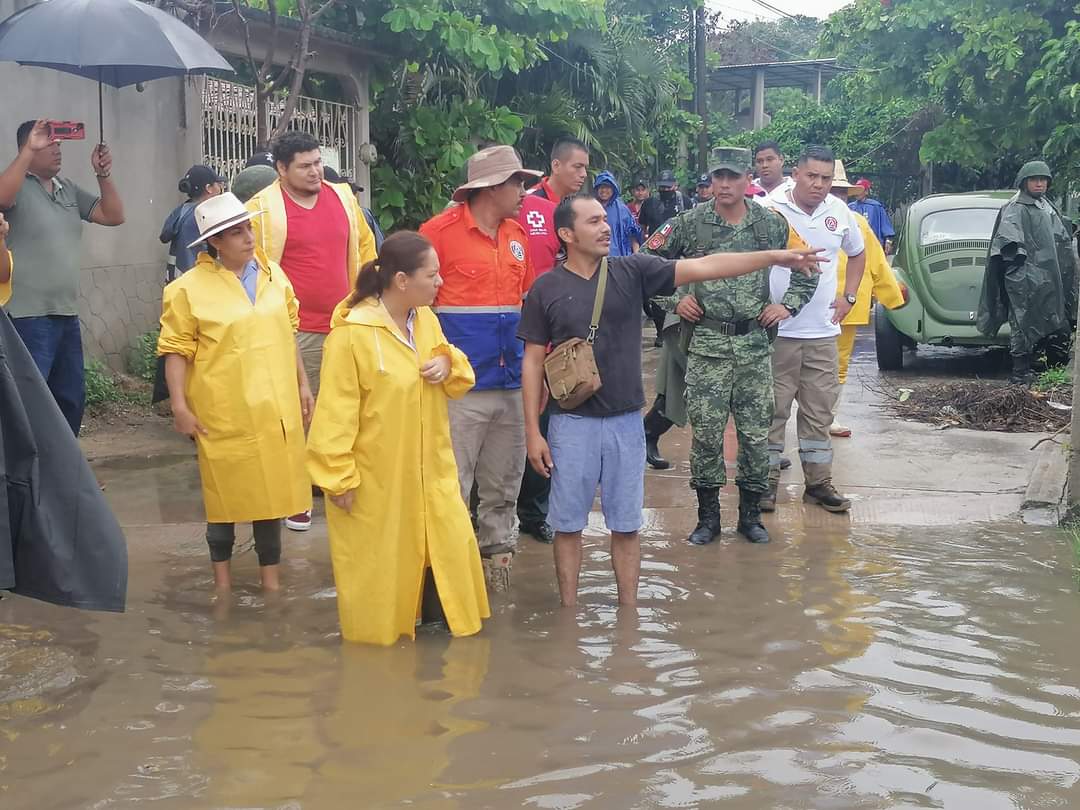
(55, 343)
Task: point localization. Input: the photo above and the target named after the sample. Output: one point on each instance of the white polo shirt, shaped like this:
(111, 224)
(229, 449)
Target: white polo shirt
(832, 227)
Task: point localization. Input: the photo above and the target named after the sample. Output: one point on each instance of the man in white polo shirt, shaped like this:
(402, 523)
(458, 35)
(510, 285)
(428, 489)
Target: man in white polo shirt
(805, 362)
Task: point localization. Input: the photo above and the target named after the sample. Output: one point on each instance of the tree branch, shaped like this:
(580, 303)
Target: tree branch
(271, 51)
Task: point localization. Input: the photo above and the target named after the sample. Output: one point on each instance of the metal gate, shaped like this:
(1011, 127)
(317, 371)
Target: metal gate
(229, 128)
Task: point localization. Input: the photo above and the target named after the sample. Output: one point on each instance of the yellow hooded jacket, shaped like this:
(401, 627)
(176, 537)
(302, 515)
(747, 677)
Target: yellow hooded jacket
(383, 431)
(241, 385)
(5, 287)
(271, 227)
(878, 280)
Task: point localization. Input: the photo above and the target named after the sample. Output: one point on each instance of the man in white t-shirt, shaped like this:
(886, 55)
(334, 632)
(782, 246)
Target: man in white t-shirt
(805, 362)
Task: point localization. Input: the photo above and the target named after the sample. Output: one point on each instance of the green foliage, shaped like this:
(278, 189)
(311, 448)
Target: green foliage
(102, 386)
(992, 77)
(430, 145)
(1072, 535)
(1057, 377)
(142, 362)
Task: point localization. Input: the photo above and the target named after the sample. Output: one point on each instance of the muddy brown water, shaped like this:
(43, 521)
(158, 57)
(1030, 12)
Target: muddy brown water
(849, 664)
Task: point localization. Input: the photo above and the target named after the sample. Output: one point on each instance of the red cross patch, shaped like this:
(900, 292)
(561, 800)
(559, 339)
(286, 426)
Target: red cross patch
(831, 223)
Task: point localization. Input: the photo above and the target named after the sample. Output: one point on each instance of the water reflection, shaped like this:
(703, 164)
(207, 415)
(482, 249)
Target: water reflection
(834, 668)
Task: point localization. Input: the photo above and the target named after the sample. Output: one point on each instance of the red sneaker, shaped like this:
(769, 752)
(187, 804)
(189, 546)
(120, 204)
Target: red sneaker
(300, 522)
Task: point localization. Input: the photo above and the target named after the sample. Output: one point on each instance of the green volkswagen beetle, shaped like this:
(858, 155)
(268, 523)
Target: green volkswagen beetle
(940, 259)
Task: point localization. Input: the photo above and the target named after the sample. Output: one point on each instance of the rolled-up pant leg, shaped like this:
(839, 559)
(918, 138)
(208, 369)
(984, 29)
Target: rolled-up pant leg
(267, 541)
(752, 402)
(220, 538)
(786, 367)
(708, 404)
(819, 387)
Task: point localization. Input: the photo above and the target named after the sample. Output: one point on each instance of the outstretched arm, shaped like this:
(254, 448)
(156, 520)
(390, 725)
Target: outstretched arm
(729, 265)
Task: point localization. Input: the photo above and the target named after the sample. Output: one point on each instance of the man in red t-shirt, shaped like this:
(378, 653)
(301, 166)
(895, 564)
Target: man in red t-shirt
(316, 231)
(569, 169)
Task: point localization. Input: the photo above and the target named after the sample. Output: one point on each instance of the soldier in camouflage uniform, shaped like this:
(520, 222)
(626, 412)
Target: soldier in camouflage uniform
(726, 333)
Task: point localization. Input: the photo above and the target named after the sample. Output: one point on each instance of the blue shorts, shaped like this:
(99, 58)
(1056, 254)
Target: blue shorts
(591, 451)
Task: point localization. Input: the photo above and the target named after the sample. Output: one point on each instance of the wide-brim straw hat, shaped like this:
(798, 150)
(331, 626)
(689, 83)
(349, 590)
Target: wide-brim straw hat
(840, 176)
(219, 214)
(492, 167)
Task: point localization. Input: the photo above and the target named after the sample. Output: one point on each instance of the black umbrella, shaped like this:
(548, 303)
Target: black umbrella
(117, 42)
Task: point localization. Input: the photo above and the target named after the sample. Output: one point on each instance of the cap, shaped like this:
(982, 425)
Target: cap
(197, 179)
(666, 180)
(640, 183)
(862, 182)
(219, 214)
(252, 180)
(730, 159)
(492, 167)
(260, 159)
(704, 180)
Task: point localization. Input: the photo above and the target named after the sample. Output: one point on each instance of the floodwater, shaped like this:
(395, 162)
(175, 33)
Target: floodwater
(845, 665)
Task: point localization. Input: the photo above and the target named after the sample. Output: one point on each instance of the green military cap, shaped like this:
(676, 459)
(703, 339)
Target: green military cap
(730, 158)
(1033, 168)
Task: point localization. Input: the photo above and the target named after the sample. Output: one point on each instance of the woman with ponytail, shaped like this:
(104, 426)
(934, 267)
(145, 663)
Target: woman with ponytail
(379, 448)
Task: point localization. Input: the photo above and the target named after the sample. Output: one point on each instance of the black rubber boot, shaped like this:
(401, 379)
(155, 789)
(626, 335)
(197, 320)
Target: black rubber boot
(656, 425)
(708, 513)
(1021, 370)
(750, 525)
(652, 454)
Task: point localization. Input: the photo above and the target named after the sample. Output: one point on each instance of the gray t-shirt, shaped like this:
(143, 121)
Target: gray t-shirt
(46, 245)
(559, 307)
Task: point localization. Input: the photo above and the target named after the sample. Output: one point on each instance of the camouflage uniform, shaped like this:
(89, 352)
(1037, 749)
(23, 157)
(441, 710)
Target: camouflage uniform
(729, 374)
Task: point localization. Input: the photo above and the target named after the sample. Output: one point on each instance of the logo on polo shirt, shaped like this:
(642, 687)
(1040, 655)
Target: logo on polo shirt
(831, 223)
(517, 250)
(537, 221)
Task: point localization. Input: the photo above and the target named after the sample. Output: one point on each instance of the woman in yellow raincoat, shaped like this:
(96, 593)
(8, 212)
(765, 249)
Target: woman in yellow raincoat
(878, 282)
(237, 386)
(379, 447)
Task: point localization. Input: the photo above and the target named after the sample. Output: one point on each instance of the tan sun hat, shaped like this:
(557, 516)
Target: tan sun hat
(840, 176)
(219, 214)
(492, 167)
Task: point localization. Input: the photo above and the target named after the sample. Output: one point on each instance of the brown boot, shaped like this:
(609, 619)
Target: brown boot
(768, 499)
(826, 496)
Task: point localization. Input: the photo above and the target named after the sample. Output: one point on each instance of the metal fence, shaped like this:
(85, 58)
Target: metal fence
(229, 126)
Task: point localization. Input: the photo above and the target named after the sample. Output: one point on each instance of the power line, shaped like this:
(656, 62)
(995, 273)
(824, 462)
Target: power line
(773, 9)
(890, 139)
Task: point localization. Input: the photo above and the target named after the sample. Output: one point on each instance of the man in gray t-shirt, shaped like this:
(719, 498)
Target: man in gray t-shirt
(46, 213)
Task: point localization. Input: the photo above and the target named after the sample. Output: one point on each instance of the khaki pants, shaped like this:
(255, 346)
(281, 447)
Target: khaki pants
(488, 432)
(311, 345)
(805, 371)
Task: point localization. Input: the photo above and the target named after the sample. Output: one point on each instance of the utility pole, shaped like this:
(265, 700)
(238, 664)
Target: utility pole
(701, 95)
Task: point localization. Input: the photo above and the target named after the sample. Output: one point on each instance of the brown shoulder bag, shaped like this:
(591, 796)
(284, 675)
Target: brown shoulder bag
(571, 372)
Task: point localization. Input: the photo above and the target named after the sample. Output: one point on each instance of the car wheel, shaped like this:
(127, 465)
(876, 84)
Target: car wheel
(888, 342)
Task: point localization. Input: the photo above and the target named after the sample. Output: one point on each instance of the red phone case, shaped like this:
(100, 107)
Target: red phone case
(67, 130)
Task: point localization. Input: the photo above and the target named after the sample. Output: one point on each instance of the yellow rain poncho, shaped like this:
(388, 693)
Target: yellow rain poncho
(5, 286)
(241, 385)
(383, 431)
(878, 280)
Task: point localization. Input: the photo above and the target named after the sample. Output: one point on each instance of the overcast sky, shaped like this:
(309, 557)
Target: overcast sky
(749, 10)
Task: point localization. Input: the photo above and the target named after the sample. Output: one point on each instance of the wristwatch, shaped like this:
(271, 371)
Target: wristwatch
(850, 298)
(790, 309)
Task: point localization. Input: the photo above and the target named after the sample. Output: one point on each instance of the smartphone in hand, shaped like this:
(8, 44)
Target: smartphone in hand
(67, 130)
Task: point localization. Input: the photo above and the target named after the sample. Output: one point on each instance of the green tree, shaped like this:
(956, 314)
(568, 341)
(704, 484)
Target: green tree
(986, 73)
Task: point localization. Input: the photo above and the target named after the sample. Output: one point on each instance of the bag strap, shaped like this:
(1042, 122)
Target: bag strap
(598, 302)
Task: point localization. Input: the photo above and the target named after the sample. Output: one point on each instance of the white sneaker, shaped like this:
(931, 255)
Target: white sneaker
(300, 522)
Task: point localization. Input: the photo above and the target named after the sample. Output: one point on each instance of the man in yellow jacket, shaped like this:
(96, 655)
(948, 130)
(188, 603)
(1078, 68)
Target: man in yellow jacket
(878, 282)
(316, 231)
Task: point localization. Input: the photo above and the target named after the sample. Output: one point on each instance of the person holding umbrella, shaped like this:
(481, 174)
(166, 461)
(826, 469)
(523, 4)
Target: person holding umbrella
(237, 385)
(46, 212)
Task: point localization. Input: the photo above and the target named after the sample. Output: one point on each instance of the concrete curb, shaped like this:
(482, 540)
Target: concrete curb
(1045, 495)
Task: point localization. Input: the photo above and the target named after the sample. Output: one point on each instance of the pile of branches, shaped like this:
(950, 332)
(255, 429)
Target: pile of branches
(982, 405)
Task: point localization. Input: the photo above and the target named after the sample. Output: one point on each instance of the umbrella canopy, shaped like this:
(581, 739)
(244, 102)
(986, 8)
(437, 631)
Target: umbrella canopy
(117, 42)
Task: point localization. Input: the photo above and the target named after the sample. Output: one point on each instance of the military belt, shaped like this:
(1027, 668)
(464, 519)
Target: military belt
(729, 328)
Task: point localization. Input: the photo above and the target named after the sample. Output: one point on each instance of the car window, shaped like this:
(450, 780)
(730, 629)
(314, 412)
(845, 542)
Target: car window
(957, 223)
